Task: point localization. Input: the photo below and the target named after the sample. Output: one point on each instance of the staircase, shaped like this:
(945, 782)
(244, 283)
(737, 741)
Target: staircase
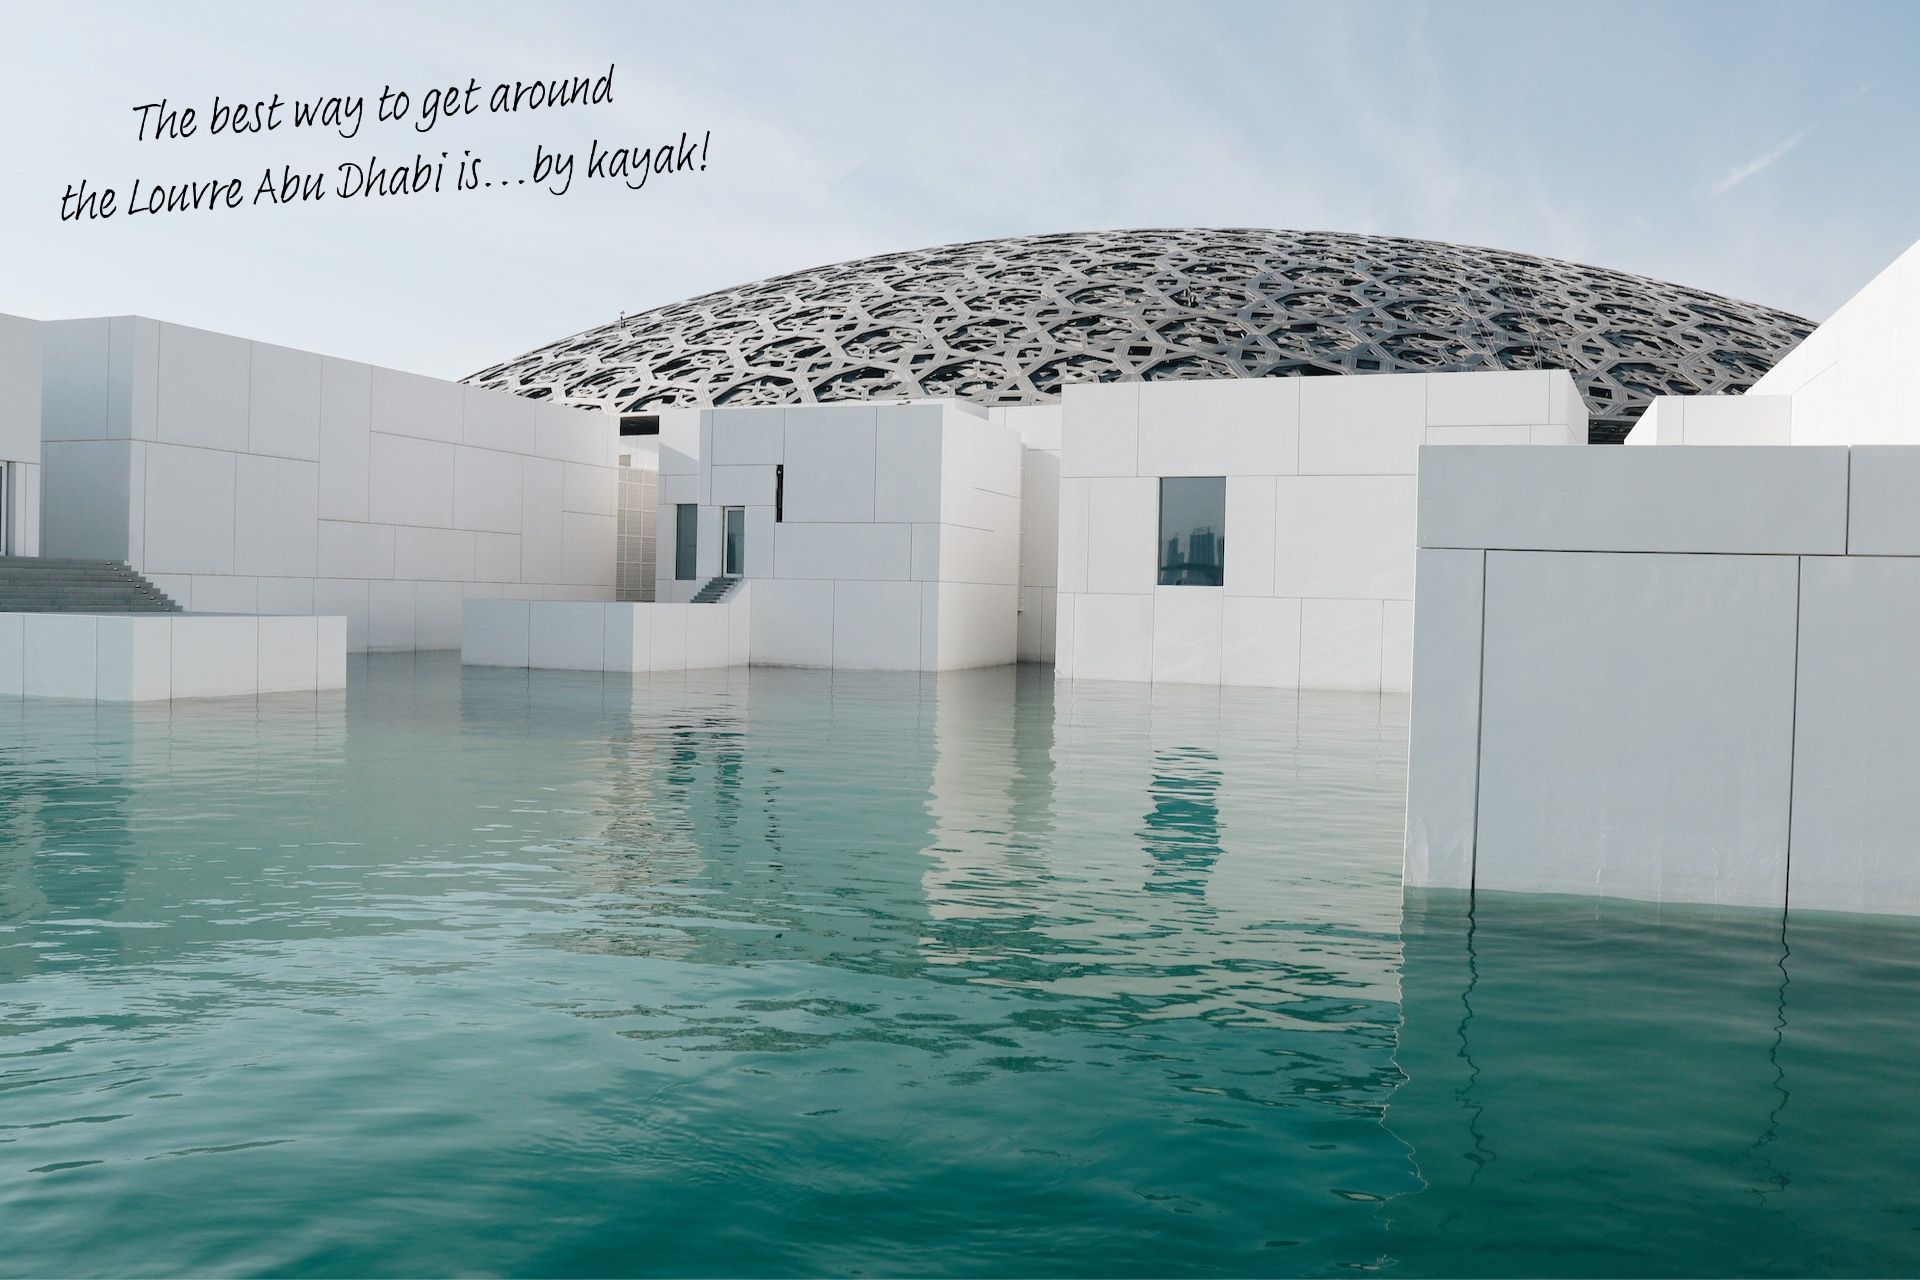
(35, 584)
(714, 590)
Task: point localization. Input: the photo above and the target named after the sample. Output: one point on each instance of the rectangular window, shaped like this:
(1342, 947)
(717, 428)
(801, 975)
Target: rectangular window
(779, 492)
(1193, 531)
(640, 424)
(686, 540)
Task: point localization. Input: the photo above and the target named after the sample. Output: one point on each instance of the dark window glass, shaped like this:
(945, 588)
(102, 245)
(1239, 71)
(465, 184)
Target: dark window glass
(1193, 531)
(640, 424)
(686, 540)
(779, 492)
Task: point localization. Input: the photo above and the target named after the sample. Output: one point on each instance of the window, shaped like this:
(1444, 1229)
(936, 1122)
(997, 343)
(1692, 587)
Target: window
(640, 424)
(1193, 531)
(733, 541)
(686, 540)
(779, 492)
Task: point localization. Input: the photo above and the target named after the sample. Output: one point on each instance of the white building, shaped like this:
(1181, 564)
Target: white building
(19, 436)
(1684, 673)
(242, 477)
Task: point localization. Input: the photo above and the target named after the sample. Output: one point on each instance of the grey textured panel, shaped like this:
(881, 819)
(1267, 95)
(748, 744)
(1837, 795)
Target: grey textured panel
(1011, 321)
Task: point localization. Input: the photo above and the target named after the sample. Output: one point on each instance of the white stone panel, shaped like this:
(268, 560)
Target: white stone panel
(437, 608)
(1100, 429)
(60, 655)
(289, 654)
(830, 464)
(283, 417)
(202, 393)
(411, 481)
(1113, 637)
(1340, 644)
(876, 625)
(793, 623)
(486, 490)
(1480, 435)
(189, 510)
(277, 507)
(746, 436)
(390, 615)
(1260, 641)
(591, 490)
(574, 435)
(216, 657)
(439, 554)
(224, 593)
(591, 549)
(1073, 559)
(1489, 398)
(667, 626)
(1637, 725)
(75, 364)
(1443, 774)
(285, 595)
(1187, 635)
(566, 635)
(13, 653)
(743, 487)
(844, 551)
(908, 471)
(706, 644)
(88, 499)
(1226, 427)
(1123, 529)
(1734, 500)
(760, 542)
(346, 442)
(1251, 534)
(410, 404)
(496, 557)
(1883, 509)
(1343, 537)
(973, 624)
(542, 539)
(494, 633)
(349, 598)
(348, 550)
(1396, 646)
(1369, 425)
(1855, 803)
(497, 420)
(133, 658)
(330, 642)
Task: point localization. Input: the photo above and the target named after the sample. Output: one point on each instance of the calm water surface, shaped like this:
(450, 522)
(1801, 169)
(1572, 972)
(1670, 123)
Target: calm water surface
(498, 972)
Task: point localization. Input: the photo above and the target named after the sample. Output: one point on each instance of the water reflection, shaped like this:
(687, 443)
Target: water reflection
(1573, 1067)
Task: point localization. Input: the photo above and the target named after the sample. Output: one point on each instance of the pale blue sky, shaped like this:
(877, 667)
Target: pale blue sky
(1765, 150)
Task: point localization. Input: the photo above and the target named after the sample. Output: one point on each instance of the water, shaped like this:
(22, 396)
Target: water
(498, 972)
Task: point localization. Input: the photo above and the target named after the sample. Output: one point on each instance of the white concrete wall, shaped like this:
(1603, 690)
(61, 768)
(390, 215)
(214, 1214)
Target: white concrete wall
(160, 657)
(1681, 675)
(1318, 589)
(900, 543)
(1715, 420)
(1038, 426)
(20, 346)
(586, 635)
(245, 477)
(1852, 379)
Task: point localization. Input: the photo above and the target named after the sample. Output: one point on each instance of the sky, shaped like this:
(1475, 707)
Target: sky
(1764, 150)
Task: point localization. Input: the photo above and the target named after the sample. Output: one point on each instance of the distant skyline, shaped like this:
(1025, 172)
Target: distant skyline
(1760, 150)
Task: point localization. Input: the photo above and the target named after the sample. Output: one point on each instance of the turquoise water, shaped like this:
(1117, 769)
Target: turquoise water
(498, 972)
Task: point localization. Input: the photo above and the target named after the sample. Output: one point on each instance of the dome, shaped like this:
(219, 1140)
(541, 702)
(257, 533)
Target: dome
(1012, 321)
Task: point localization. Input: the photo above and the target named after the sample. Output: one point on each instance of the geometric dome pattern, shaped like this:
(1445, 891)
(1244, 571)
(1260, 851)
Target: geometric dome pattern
(1012, 321)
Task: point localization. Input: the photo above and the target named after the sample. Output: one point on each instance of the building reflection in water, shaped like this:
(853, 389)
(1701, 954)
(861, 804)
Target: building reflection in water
(1693, 1065)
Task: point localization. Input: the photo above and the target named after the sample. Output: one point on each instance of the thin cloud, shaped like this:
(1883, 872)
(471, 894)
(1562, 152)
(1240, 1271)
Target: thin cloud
(1760, 164)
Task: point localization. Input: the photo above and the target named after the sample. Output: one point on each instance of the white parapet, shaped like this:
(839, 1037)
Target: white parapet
(1675, 675)
(601, 635)
(160, 657)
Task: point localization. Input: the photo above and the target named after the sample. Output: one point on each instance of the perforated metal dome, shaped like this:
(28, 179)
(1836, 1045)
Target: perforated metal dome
(1011, 321)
